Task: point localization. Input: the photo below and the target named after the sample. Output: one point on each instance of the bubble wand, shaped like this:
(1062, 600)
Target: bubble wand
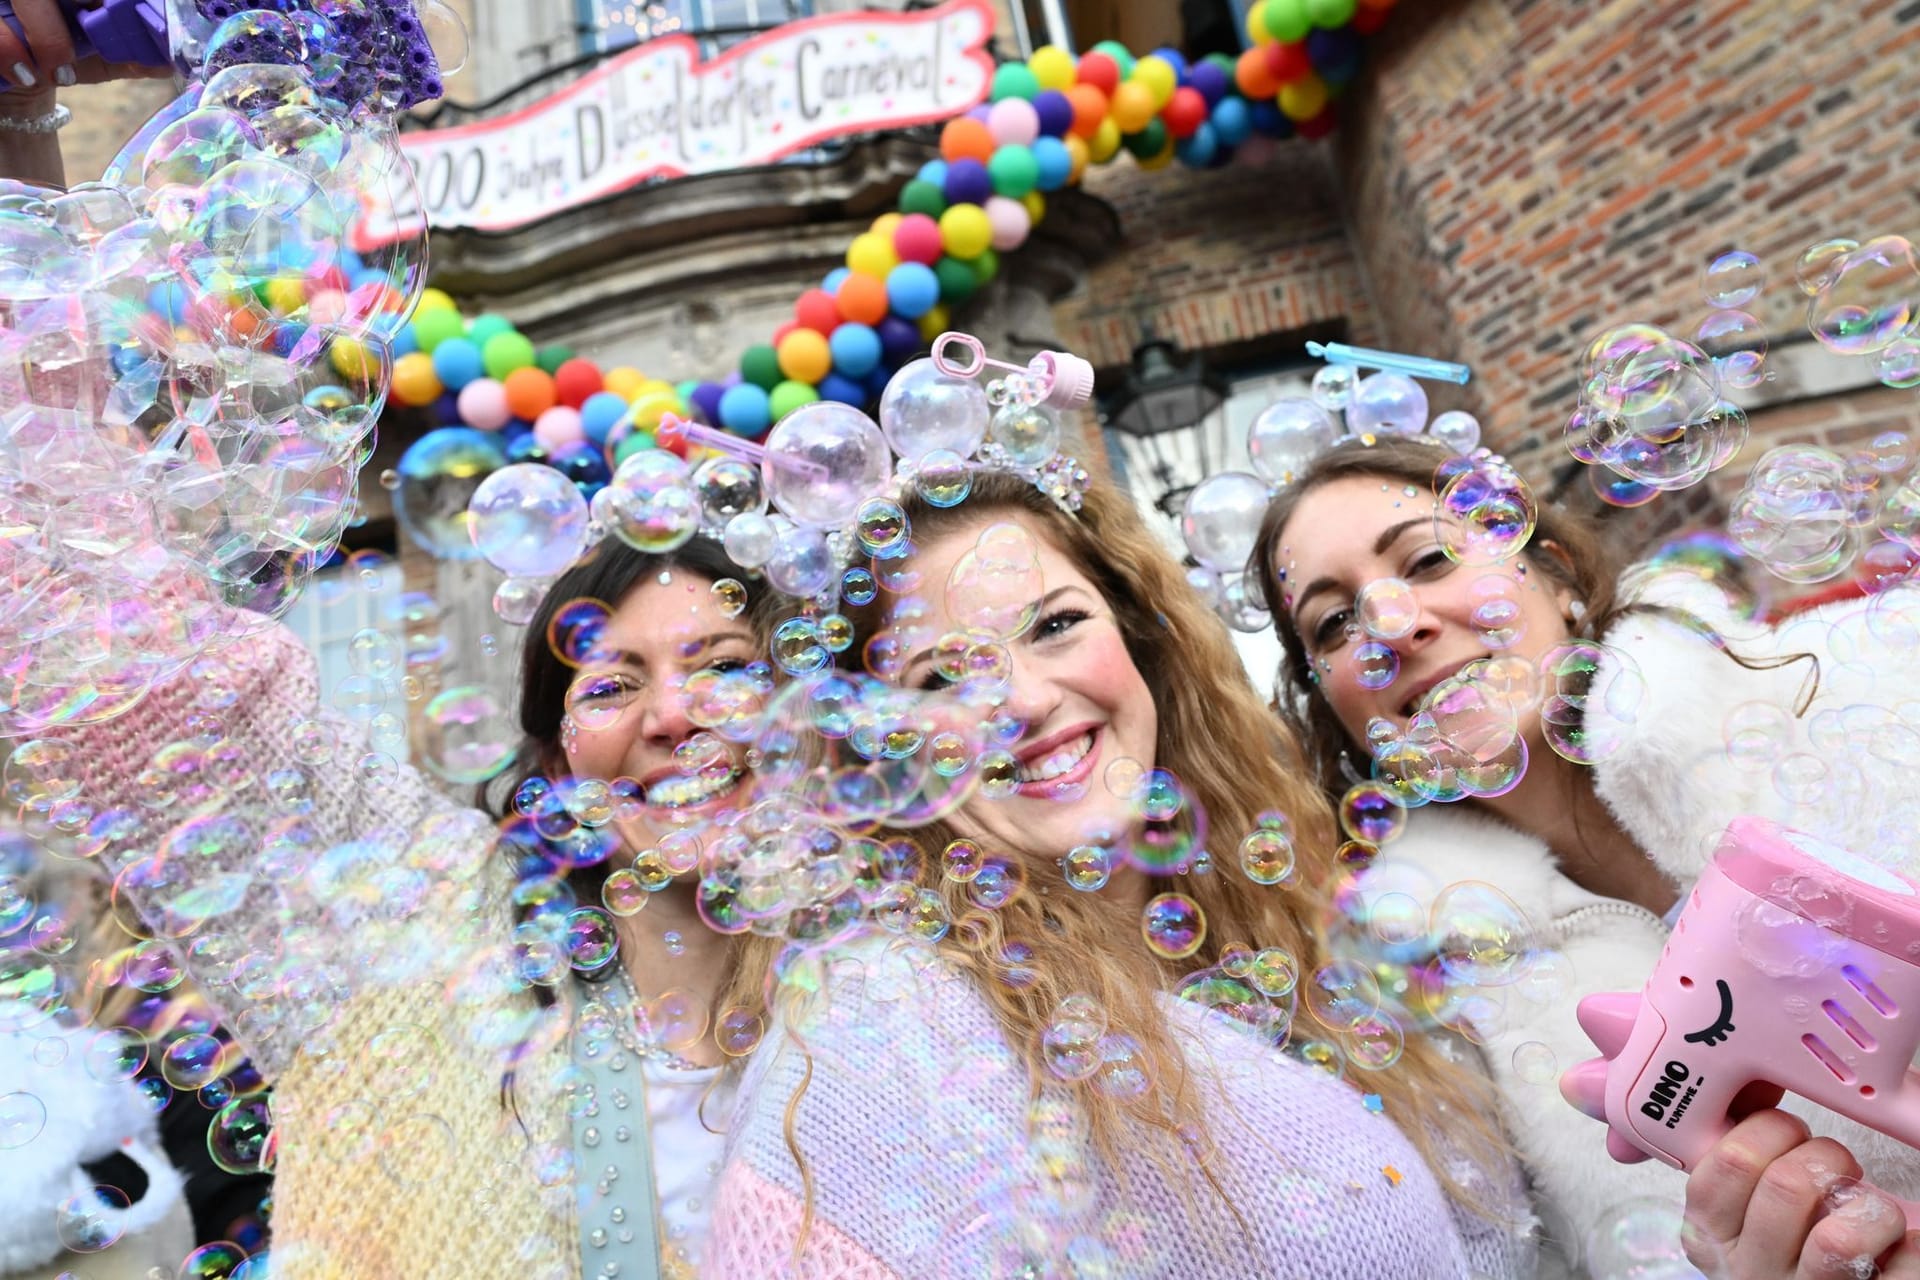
(1412, 366)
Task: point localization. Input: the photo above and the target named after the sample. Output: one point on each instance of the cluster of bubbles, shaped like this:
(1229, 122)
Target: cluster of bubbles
(170, 435)
(1808, 514)
(1220, 521)
(819, 492)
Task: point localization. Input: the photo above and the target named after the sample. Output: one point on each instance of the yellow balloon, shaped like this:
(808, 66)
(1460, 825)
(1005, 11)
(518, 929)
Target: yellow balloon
(1076, 152)
(435, 300)
(648, 409)
(1106, 141)
(655, 387)
(886, 224)
(804, 356)
(1132, 106)
(1158, 77)
(1052, 66)
(1304, 98)
(934, 323)
(965, 231)
(286, 294)
(1036, 206)
(872, 254)
(625, 382)
(414, 381)
(1257, 26)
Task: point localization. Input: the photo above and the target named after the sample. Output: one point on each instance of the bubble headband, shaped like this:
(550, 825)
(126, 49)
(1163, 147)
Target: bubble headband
(824, 486)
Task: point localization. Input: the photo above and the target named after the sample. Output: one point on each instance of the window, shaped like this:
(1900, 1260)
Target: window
(338, 604)
(1198, 27)
(609, 25)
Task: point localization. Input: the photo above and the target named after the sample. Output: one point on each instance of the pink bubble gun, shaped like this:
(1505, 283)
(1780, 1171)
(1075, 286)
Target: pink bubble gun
(1795, 964)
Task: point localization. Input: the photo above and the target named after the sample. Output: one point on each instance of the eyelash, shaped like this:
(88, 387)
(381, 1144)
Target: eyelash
(612, 686)
(1422, 568)
(1065, 619)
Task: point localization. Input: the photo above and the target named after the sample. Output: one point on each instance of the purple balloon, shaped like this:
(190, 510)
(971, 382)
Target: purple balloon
(967, 182)
(1210, 80)
(447, 409)
(706, 402)
(899, 340)
(980, 112)
(1055, 110)
(1333, 50)
(733, 375)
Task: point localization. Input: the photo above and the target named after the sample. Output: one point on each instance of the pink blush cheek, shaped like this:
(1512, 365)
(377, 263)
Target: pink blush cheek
(1104, 673)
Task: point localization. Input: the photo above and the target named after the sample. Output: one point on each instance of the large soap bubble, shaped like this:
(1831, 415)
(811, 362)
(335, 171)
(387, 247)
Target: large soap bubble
(1288, 434)
(822, 460)
(923, 410)
(529, 521)
(1221, 520)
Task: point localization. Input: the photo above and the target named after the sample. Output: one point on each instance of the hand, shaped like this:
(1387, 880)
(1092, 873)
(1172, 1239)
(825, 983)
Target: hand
(47, 56)
(1769, 1203)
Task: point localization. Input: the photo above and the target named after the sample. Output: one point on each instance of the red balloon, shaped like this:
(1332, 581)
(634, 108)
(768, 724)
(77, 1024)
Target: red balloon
(1100, 71)
(817, 310)
(917, 239)
(1288, 62)
(1317, 127)
(1186, 112)
(1367, 21)
(577, 379)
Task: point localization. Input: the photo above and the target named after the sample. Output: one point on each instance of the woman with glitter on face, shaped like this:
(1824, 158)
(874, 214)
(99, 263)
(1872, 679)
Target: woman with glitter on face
(1596, 822)
(1001, 1076)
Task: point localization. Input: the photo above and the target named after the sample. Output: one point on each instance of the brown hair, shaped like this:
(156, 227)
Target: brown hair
(1216, 735)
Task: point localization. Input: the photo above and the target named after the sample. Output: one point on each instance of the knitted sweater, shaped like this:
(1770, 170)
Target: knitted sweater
(353, 929)
(929, 1157)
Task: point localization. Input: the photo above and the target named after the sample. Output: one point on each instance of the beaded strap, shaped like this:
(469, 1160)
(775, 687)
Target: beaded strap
(613, 1150)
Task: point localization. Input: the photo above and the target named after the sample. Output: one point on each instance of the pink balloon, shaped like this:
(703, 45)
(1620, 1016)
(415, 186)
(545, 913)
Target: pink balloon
(1010, 222)
(917, 239)
(327, 306)
(1013, 120)
(483, 404)
(558, 426)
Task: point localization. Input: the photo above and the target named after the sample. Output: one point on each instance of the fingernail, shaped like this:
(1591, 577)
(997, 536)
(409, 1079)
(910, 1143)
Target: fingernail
(23, 75)
(63, 75)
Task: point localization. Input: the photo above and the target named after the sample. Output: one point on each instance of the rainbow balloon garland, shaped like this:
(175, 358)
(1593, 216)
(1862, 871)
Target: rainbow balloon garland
(501, 400)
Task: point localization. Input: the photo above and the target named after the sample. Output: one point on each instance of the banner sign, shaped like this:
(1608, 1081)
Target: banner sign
(658, 111)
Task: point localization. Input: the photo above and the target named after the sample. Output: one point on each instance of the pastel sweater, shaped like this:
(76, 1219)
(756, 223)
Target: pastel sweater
(928, 1159)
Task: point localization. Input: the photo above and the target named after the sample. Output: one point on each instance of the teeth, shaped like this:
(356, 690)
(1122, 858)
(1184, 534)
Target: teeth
(680, 791)
(1059, 762)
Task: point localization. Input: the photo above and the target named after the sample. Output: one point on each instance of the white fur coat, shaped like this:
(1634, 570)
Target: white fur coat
(1847, 770)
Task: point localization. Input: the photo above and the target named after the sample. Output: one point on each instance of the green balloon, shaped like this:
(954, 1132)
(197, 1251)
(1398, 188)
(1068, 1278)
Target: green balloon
(505, 352)
(1013, 170)
(957, 281)
(788, 396)
(486, 327)
(431, 328)
(923, 197)
(1287, 20)
(760, 365)
(1149, 142)
(1330, 15)
(1014, 80)
(986, 266)
(1119, 53)
(685, 389)
(551, 358)
(631, 445)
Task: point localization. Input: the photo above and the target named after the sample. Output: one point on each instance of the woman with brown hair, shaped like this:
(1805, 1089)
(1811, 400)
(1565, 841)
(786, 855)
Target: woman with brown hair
(1002, 1076)
(1631, 719)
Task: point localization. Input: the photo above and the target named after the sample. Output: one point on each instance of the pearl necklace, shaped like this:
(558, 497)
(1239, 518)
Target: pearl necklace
(626, 1028)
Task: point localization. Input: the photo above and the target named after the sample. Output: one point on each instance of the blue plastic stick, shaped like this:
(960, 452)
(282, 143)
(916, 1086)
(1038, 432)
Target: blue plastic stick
(1412, 366)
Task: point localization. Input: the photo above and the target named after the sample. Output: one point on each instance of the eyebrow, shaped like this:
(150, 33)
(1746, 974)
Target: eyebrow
(1040, 608)
(704, 643)
(1388, 536)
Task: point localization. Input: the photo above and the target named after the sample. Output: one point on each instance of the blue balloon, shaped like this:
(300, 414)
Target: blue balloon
(168, 298)
(1055, 161)
(877, 380)
(456, 362)
(582, 463)
(526, 448)
(1231, 121)
(934, 171)
(405, 342)
(1181, 70)
(967, 183)
(601, 412)
(287, 335)
(912, 289)
(834, 279)
(745, 410)
(845, 390)
(1269, 119)
(1198, 149)
(1055, 110)
(366, 276)
(856, 349)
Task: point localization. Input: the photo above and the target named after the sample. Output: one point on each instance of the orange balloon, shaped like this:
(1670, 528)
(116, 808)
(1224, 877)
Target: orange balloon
(530, 392)
(965, 138)
(1089, 109)
(862, 298)
(1132, 106)
(1254, 75)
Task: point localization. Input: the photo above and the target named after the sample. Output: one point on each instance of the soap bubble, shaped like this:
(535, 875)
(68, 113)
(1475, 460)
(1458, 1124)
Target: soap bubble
(1733, 279)
(1387, 404)
(1481, 936)
(465, 735)
(1867, 296)
(439, 473)
(1486, 514)
(1332, 387)
(651, 504)
(1457, 430)
(822, 460)
(1736, 342)
(1221, 519)
(1029, 434)
(1173, 925)
(1792, 515)
(1899, 364)
(1387, 608)
(1375, 665)
(529, 520)
(924, 411)
(1288, 434)
(1640, 1239)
